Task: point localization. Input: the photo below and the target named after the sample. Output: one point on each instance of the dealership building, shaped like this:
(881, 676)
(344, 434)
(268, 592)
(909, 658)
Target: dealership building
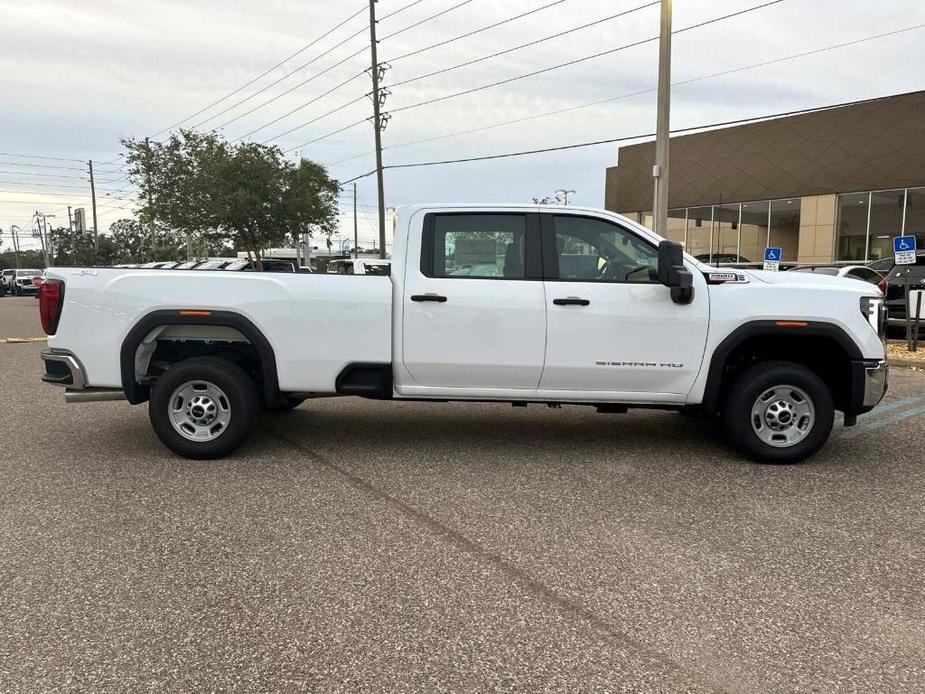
(835, 184)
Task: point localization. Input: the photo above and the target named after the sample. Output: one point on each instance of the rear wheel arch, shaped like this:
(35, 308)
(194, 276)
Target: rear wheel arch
(136, 392)
(823, 347)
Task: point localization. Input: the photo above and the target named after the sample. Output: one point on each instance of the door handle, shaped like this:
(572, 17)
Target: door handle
(571, 301)
(428, 297)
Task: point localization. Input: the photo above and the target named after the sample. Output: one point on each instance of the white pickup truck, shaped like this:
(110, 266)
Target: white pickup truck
(519, 304)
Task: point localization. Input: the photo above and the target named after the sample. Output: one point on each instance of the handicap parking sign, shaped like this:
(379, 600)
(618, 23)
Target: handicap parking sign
(772, 259)
(904, 250)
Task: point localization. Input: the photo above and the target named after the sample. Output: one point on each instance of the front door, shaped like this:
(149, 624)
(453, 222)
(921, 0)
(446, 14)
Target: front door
(611, 326)
(474, 308)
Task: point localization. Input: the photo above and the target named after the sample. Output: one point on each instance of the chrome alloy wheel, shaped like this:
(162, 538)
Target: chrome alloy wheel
(199, 411)
(782, 416)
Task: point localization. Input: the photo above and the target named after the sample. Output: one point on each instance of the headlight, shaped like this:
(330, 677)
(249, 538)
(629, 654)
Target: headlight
(873, 309)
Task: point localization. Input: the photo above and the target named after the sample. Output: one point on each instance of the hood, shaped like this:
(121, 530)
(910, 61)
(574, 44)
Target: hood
(812, 280)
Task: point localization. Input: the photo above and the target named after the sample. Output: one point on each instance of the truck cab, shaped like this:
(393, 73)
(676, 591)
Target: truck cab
(520, 304)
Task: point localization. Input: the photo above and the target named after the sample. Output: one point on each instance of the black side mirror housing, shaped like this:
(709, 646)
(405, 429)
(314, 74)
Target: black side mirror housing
(673, 274)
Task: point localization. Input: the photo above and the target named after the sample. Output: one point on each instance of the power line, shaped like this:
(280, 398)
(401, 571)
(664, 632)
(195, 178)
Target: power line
(284, 77)
(526, 45)
(640, 136)
(44, 185)
(401, 9)
(306, 104)
(323, 137)
(426, 19)
(39, 174)
(446, 97)
(42, 166)
(262, 74)
(38, 156)
(599, 102)
(475, 31)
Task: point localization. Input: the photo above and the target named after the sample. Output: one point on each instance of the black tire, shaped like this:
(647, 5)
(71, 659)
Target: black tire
(243, 405)
(289, 404)
(742, 395)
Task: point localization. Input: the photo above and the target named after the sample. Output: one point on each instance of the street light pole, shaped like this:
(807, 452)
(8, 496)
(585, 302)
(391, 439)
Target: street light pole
(660, 169)
(356, 234)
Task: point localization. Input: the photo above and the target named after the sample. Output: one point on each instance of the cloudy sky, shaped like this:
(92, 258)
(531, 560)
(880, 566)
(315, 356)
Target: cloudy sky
(75, 77)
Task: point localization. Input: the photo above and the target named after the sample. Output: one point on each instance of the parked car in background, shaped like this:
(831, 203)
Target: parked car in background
(854, 272)
(21, 283)
(882, 265)
(269, 265)
(6, 280)
(359, 266)
(896, 289)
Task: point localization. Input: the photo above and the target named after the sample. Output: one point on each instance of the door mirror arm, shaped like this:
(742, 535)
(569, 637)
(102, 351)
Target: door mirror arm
(673, 274)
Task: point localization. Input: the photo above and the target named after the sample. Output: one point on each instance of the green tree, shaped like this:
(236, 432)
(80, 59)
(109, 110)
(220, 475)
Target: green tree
(244, 194)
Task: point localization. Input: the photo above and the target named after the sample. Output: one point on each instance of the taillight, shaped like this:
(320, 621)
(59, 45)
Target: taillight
(881, 285)
(51, 298)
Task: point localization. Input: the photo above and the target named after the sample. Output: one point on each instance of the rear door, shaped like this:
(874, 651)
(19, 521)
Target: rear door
(613, 327)
(474, 313)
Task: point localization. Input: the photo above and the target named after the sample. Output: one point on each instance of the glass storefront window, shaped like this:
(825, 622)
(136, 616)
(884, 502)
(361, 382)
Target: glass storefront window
(785, 228)
(677, 226)
(886, 221)
(726, 234)
(699, 232)
(915, 214)
(754, 231)
(852, 225)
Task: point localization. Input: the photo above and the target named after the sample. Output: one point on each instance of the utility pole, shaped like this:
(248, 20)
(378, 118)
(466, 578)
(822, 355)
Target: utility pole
(96, 238)
(377, 74)
(40, 232)
(660, 169)
(356, 242)
(14, 229)
(70, 219)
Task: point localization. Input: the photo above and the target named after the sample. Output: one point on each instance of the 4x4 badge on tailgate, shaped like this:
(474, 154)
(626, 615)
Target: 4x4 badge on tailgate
(87, 273)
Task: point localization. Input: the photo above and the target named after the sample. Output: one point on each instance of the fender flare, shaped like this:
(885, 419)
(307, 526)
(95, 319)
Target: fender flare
(137, 393)
(775, 328)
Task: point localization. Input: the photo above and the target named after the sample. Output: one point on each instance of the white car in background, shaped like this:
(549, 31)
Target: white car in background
(359, 266)
(854, 272)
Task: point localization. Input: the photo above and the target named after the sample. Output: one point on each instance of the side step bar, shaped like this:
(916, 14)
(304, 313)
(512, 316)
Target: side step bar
(93, 395)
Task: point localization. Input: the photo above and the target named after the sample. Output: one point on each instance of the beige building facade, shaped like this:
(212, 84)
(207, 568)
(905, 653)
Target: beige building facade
(832, 185)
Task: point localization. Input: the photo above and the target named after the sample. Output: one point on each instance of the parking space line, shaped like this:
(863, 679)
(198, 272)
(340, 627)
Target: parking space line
(511, 570)
(910, 406)
(17, 340)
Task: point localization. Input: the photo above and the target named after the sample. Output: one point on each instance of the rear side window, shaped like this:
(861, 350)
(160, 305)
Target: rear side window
(482, 246)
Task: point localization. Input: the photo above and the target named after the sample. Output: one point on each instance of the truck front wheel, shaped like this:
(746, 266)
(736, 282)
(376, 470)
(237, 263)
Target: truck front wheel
(203, 408)
(778, 412)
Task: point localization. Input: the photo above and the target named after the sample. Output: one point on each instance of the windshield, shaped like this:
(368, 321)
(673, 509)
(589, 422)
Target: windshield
(28, 273)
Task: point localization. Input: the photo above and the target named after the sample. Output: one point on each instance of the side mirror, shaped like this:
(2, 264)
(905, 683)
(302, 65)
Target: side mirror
(673, 274)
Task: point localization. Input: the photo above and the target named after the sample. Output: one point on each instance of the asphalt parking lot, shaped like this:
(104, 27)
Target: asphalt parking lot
(355, 546)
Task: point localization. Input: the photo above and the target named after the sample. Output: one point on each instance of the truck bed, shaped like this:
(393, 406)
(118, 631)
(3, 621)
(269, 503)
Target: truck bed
(316, 324)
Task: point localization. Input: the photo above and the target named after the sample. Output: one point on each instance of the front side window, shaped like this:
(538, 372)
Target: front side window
(593, 250)
(484, 246)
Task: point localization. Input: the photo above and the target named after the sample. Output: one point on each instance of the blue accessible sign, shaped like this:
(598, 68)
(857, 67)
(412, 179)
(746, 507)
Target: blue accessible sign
(772, 259)
(904, 250)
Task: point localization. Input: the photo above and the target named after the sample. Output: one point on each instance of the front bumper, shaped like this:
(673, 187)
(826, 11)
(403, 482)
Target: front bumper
(869, 382)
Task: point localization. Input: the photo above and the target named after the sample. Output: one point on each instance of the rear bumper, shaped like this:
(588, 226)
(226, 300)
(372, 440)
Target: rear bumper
(869, 382)
(62, 368)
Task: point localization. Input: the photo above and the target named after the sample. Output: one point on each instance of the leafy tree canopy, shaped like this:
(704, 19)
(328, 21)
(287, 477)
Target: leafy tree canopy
(246, 193)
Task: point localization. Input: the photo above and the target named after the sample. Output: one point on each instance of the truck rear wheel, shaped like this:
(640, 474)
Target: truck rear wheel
(778, 412)
(203, 408)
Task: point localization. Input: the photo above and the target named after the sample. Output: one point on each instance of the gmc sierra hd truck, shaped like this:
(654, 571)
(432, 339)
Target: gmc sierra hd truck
(519, 304)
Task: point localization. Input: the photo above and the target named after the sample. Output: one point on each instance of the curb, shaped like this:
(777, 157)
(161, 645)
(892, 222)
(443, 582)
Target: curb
(19, 340)
(907, 363)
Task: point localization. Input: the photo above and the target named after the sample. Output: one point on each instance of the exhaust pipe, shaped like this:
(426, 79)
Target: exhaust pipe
(93, 395)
